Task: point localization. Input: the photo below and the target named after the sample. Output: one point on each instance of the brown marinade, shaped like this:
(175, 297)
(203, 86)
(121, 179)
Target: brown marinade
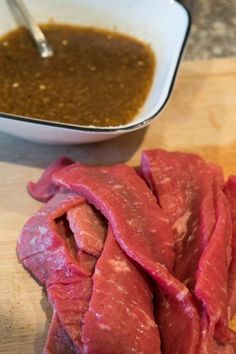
(96, 77)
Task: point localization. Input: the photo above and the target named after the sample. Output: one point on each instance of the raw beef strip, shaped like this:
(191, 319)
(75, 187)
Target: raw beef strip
(47, 254)
(212, 274)
(207, 343)
(185, 186)
(230, 190)
(88, 261)
(121, 307)
(58, 341)
(108, 292)
(82, 221)
(88, 228)
(175, 320)
(181, 182)
(44, 189)
(40, 237)
(142, 231)
(199, 229)
(70, 299)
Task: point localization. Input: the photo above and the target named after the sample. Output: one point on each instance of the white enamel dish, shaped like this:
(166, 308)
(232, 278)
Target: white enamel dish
(164, 24)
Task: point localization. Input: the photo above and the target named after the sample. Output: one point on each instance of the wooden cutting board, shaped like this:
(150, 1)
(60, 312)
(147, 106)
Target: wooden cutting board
(200, 118)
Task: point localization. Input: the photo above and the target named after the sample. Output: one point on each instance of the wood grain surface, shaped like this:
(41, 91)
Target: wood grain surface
(200, 118)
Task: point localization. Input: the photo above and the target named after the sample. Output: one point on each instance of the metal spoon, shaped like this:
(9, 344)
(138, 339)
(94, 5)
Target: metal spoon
(19, 8)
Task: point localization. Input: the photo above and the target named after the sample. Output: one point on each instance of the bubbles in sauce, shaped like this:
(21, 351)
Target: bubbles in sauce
(95, 78)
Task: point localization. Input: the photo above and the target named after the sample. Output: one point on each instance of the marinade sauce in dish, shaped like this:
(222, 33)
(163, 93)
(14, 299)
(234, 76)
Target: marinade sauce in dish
(95, 77)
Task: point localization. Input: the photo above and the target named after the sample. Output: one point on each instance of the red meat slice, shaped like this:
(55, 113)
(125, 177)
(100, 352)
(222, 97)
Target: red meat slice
(181, 182)
(87, 261)
(88, 229)
(58, 341)
(46, 253)
(69, 288)
(41, 238)
(212, 274)
(120, 307)
(83, 218)
(45, 189)
(185, 186)
(230, 190)
(141, 229)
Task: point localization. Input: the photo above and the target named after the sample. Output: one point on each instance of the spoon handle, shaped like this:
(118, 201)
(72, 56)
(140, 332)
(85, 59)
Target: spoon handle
(44, 48)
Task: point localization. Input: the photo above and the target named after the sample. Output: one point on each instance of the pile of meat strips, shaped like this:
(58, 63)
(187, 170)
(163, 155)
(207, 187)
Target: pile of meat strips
(136, 261)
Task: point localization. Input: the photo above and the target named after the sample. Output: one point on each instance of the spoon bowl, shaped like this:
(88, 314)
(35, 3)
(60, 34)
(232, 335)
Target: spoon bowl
(22, 14)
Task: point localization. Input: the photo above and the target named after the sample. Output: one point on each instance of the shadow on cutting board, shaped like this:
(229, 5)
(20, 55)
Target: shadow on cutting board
(18, 151)
(40, 338)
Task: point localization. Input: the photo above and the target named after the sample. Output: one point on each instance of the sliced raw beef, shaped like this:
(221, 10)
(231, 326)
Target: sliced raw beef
(44, 189)
(175, 319)
(49, 256)
(115, 295)
(142, 231)
(82, 218)
(230, 190)
(104, 305)
(125, 200)
(186, 186)
(212, 274)
(67, 272)
(87, 260)
(118, 281)
(41, 237)
(181, 182)
(207, 343)
(58, 341)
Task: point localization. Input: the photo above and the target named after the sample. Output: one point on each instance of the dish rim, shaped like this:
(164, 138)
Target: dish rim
(94, 129)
